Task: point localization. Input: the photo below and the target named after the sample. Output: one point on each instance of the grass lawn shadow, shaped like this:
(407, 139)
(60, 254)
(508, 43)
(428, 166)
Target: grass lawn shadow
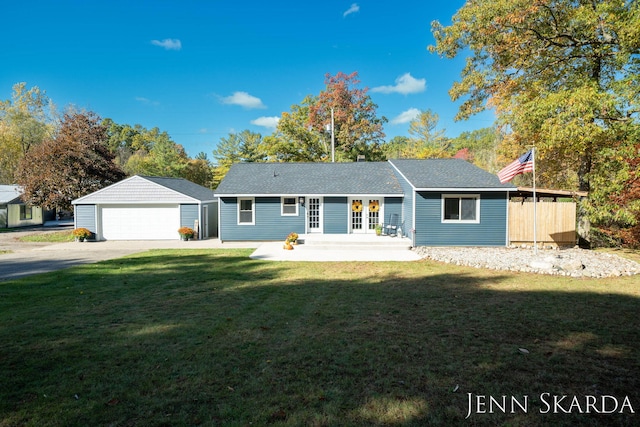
(213, 338)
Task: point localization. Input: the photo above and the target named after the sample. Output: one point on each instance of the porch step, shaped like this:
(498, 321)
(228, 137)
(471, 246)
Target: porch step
(351, 242)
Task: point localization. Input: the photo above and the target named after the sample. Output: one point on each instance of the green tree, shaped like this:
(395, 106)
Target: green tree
(245, 146)
(25, 121)
(73, 164)
(561, 74)
(395, 148)
(357, 128)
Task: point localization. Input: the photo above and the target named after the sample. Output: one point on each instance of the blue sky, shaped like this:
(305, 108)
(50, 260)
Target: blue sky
(202, 69)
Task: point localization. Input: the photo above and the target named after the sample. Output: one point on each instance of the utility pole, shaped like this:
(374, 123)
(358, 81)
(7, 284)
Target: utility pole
(333, 140)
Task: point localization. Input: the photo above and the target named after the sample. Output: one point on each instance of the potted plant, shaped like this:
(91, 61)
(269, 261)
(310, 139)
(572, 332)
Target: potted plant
(81, 234)
(293, 238)
(186, 233)
(378, 229)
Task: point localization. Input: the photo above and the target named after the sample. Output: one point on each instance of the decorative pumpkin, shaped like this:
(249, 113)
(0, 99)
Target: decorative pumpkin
(356, 206)
(374, 206)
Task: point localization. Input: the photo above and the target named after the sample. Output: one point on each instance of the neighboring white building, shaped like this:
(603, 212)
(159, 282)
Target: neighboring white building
(14, 212)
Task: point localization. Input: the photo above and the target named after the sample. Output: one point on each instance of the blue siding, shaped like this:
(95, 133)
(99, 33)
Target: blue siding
(188, 215)
(85, 216)
(490, 231)
(393, 205)
(336, 215)
(269, 223)
(407, 205)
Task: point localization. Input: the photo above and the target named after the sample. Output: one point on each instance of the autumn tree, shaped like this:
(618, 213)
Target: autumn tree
(199, 170)
(426, 141)
(481, 145)
(357, 128)
(294, 140)
(25, 121)
(561, 74)
(74, 163)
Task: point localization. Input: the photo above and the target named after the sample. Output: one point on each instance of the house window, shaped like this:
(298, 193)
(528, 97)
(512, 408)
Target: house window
(289, 206)
(461, 208)
(25, 212)
(245, 212)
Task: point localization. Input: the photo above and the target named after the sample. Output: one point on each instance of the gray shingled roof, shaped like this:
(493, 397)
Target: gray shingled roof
(149, 189)
(309, 178)
(184, 186)
(10, 194)
(447, 173)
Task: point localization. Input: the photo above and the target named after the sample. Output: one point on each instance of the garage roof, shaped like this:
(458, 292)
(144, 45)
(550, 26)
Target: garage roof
(10, 194)
(149, 189)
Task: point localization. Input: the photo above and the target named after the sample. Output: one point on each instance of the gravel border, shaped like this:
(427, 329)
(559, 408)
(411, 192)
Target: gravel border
(572, 262)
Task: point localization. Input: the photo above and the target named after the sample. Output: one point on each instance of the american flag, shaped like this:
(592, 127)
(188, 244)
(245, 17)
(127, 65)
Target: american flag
(522, 164)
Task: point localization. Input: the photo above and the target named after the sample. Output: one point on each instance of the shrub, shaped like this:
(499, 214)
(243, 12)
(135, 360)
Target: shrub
(82, 233)
(186, 231)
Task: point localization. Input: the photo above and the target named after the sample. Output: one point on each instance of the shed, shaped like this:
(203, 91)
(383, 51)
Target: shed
(14, 212)
(148, 208)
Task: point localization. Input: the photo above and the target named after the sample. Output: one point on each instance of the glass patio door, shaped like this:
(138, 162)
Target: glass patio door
(365, 215)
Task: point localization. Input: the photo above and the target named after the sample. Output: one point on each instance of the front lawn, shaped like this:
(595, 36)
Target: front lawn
(210, 337)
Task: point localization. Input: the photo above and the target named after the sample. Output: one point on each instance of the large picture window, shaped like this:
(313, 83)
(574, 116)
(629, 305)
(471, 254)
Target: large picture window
(461, 208)
(246, 212)
(289, 206)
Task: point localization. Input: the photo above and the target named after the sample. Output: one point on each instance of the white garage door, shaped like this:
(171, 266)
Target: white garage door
(135, 222)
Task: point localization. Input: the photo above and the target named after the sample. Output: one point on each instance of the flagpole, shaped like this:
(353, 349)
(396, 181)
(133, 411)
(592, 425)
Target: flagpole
(535, 214)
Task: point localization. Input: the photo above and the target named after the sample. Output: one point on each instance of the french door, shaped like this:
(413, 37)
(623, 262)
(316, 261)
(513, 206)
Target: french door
(365, 214)
(314, 215)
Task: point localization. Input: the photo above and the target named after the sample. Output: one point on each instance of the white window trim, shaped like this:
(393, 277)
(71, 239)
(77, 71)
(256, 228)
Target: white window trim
(460, 197)
(295, 200)
(253, 210)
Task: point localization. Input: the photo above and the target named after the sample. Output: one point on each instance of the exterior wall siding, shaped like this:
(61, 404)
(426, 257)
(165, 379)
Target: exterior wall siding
(13, 216)
(85, 216)
(269, 224)
(393, 205)
(188, 215)
(407, 205)
(490, 231)
(336, 215)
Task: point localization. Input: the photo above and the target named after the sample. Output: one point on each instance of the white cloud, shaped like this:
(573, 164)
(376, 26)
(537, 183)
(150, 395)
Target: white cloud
(353, 9)
(146, 101)
(406, 116)
(405, 84)
(243, 99)
(168, 44)
(267, 122)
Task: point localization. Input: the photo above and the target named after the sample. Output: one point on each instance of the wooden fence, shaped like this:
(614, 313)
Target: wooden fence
(556, 225)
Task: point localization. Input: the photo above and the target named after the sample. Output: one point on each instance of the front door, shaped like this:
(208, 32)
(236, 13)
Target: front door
(365, 214)
(314, 215)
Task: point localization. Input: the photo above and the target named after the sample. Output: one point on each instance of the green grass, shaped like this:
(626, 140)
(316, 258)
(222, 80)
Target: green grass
(210, 337)
(51, 237)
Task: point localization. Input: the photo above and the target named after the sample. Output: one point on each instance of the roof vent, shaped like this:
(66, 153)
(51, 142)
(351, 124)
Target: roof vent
(361, 158)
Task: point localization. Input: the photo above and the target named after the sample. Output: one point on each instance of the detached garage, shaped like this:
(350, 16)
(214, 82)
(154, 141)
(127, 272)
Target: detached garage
(148, 208)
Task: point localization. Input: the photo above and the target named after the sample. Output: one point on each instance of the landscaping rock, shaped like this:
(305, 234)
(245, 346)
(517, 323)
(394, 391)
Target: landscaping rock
(573, 262)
